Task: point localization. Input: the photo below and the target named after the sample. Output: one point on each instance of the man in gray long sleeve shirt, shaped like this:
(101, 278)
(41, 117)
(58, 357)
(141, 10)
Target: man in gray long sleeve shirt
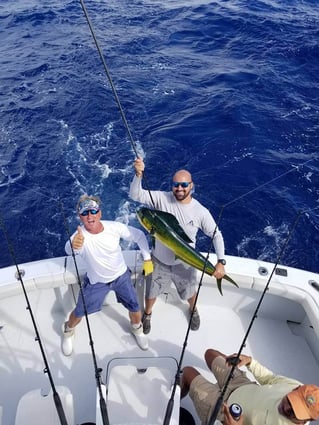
(192, 216)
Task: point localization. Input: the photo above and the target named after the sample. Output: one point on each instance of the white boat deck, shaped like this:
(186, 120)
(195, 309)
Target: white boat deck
(277, 339)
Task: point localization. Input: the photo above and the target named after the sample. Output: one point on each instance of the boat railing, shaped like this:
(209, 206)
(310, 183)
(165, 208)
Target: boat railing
(294, 284)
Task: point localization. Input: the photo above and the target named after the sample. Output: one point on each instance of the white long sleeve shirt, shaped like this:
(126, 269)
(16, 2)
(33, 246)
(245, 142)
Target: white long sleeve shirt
(102, 252)
(192, 217)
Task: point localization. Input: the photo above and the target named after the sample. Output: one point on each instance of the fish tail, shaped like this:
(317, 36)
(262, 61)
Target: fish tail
(229, 279)
(219, 286)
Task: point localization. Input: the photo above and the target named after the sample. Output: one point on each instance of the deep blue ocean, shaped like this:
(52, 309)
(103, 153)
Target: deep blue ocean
(226, 89)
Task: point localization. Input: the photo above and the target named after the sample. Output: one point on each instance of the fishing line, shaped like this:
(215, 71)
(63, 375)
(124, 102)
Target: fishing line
(234, 200)
(19, 274)
(269, 181)
(97, 370)
(236, 360)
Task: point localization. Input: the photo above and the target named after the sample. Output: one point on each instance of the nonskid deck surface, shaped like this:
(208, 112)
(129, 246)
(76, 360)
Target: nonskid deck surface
(270, 341)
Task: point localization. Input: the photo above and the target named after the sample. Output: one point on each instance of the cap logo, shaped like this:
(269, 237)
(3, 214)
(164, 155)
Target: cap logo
(310, 400)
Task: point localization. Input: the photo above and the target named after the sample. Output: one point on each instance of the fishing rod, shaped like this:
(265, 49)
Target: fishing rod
(107, 72)
(234, 361)
(171, 401)
(125, 120)
(177, 377)
(19, 274)
(170, 405)
(108, 75)
(97, 370)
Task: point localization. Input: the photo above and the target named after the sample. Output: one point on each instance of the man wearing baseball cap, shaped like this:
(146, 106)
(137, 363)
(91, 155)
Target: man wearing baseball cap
(97, 242)
(270, 400)
(304, 403)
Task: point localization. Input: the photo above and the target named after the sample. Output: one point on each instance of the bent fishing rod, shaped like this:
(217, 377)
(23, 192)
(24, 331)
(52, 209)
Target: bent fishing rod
(234, 361)
(117, 99)
(171, 401)
(108, 74)
(97, 370)
(19, 274)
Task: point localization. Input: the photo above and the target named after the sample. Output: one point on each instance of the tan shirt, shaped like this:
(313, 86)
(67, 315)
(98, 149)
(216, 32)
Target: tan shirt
(260, 402)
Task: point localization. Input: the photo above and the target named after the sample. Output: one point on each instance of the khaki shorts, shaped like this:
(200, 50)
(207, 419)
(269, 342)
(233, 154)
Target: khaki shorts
(204, 394)
(182, 275)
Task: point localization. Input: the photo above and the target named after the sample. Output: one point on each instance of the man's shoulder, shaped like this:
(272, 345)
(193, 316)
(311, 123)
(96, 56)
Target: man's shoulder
(164, 194)
(162, 198)
(196, 204)
(109, 224)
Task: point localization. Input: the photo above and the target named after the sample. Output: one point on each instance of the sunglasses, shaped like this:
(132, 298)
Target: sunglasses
(183, 184)
(93, 212)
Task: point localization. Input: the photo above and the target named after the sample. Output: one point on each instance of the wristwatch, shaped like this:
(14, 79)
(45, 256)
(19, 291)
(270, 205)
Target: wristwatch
(222, 261)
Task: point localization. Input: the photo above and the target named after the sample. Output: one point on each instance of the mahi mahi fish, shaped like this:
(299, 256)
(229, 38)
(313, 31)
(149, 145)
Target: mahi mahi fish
(165, 227)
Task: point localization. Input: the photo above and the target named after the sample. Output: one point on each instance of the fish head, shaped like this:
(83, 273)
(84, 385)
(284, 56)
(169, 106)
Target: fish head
(145, 217)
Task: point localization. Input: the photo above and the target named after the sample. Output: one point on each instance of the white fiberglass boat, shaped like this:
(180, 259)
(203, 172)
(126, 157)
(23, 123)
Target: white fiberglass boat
(137, 385)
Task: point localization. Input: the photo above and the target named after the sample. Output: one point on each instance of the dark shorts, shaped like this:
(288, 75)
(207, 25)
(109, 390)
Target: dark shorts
(94, 295)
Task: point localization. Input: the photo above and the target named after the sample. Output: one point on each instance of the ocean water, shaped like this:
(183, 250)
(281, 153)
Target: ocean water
(226, 89)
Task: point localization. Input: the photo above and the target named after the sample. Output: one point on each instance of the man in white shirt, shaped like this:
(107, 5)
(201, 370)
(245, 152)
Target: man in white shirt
(98, 243)
(191, 216)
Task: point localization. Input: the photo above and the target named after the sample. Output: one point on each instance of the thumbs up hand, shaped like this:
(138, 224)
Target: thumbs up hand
(78, 239)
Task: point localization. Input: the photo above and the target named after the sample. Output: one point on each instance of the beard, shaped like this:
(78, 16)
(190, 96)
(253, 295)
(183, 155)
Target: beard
(181, 195)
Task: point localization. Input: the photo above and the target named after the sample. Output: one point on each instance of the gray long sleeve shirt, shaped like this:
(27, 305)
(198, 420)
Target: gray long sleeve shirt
(192, 217)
